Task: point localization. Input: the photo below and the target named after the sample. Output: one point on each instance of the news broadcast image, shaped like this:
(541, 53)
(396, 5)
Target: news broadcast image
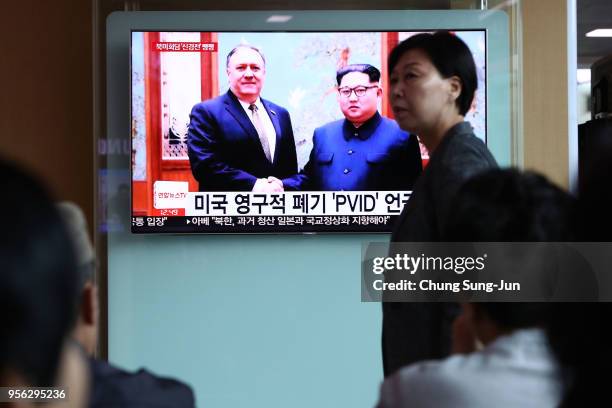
(192, 168)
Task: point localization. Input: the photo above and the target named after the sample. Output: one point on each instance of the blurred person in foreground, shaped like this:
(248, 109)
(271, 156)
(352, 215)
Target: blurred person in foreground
(38, 294)
(111, 386)
(579, 333)
(432, 81)
(514, 366)
(580, 336)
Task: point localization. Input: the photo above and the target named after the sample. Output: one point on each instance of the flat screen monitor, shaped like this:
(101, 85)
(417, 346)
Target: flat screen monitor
(204, 162)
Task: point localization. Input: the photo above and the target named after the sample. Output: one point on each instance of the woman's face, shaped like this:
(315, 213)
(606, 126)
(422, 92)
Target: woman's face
(419, 96)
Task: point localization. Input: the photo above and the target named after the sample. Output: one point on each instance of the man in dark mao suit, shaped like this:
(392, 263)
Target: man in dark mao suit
(364, 151)
(239, 141)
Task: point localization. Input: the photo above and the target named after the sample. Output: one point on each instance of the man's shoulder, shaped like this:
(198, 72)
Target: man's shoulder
(444, 370)
(275, 108)
(113, 386)
(440, 382)
(430, 383)
(212, 103)
(333, 126)
(213, 106)
(390, 123)
(510, 372)
(463, 156)
(390, 128)
(467, 143)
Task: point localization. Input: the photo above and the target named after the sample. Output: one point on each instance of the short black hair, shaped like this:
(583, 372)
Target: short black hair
(371, 71)
(76, 225)
(518, 315)
(236, 48)
(506, 205)
(451, 57)
(39, 290)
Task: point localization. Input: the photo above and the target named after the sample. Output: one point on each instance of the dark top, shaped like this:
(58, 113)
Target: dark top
(116, 388)
(459, 156)
(414, 331)
(378, 155)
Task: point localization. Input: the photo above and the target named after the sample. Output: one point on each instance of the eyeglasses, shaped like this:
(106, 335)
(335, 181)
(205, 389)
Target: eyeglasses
(346, 92)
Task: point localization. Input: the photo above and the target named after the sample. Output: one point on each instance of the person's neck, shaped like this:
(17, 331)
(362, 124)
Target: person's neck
(431, 138)
(489, 334)
(246, 99)
(249, 101)
(487, 331)
(83, 336)
(357, 124)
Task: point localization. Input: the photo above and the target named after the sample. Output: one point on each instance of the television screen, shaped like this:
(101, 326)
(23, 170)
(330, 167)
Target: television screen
(253, 132)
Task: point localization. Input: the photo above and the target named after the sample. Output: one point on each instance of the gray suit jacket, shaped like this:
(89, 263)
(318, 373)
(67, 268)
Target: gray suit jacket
(421, 331)
(459, 156)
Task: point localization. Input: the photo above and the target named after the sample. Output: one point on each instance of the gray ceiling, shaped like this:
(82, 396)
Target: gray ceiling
(593, 14)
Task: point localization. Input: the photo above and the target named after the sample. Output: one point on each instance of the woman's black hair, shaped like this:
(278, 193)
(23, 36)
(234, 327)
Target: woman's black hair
(451, 57)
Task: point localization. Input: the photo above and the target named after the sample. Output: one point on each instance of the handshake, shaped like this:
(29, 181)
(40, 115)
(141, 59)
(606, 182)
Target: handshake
(268, 185)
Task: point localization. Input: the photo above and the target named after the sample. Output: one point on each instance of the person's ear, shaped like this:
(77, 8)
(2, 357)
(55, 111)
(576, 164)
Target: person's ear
(467, 309)
(96, 305)
(473, 313)
(89, 304)
(454, 88)
(463, 338)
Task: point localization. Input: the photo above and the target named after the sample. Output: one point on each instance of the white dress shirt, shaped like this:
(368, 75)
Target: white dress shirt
(516, 370)
(265, 120)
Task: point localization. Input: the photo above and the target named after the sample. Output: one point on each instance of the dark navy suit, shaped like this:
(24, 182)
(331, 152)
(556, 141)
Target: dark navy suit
(225, 151)
(113, 387)
(376, 156)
